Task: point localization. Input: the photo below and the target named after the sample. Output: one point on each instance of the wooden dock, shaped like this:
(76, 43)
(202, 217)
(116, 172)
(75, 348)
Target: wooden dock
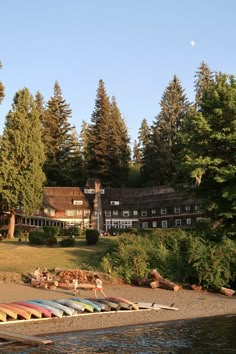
(16, 337)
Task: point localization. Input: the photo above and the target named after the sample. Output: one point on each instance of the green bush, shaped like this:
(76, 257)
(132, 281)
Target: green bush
(51, 241)
(67, 242)
(92, 236)
(51, 231)
(37, 237)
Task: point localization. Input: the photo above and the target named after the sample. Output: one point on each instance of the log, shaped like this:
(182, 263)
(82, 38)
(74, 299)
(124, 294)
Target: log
(43, 284)
(226, 291)
(163, 283)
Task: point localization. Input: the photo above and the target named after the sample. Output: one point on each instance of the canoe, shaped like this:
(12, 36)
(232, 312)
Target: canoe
(104, 306)
(45, 312)
(153, 305)
(54, 311)
(20, 312)
(95, 306)
(123, 304)
(9, 312)
(123, 300)
(67, 310)
(113, 305)
(73, 304)
(33, 312)
(87, 307)
(3, 316)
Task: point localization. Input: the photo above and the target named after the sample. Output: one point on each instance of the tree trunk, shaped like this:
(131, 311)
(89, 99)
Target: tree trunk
(161, 282)
(226, 291)
(11, 228)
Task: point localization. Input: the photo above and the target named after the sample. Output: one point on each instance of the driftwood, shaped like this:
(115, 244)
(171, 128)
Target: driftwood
(49, 284)
(227, 292)
(67, 285)
(163, 283)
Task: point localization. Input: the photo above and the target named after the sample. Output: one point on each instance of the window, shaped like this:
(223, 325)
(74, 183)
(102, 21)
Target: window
(102, 191)
(187, 207)
(145, 225)
(125, 212)
(107, 213)
(86, 213)
(115, 212)
(154, 224)
(164, 224)
(163, 211)
(188, 221)
(135, 212)
(177, 210)
(115, 202)
(71, 212)
(89, 191)
(78, 202)
(49, 211)
(154, 211)
(143, 212)
(178, 222)
(197, 207)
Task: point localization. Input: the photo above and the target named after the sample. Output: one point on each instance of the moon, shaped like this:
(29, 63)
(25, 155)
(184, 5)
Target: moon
(192, 43)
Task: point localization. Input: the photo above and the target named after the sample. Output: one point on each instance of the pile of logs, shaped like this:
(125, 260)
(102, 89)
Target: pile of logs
(66, 276)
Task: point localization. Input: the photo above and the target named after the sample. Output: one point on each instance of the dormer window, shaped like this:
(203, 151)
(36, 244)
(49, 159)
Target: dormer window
(78, 202)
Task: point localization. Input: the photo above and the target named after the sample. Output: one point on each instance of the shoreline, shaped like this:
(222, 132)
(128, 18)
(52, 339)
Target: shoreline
(191, 305)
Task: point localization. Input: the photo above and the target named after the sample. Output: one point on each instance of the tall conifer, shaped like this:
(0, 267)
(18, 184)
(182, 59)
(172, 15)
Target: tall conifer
(22, 157)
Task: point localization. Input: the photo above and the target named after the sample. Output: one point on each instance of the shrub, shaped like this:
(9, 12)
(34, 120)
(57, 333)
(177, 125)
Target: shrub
(67, 242)
(92, 236)
(37, 237)
(51, 241)
(51, 231)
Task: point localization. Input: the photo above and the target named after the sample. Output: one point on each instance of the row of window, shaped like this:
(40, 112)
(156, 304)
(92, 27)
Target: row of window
(162, 211)
(124, 224)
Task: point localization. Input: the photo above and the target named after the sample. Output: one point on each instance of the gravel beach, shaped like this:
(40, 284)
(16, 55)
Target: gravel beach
(191, 304)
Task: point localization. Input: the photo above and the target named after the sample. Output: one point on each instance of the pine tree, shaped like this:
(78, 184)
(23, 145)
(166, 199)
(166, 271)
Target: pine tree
(1, 87)
(209, 153)
(108, 152)
(161, 155)
(59, 140)
(203, 80)
(22, 157)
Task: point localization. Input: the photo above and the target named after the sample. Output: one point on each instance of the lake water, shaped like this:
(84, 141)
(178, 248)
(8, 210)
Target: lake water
(214, 335)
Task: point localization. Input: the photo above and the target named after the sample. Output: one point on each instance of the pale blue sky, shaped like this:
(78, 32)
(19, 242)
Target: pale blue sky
(134, 46)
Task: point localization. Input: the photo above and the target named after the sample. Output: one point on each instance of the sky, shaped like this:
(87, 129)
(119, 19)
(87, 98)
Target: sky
(134, 46)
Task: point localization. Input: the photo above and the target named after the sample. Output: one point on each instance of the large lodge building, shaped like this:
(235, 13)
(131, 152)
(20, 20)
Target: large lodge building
(106, 209)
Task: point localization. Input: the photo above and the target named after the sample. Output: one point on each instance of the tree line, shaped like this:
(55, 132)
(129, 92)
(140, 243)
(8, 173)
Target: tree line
(190, 145)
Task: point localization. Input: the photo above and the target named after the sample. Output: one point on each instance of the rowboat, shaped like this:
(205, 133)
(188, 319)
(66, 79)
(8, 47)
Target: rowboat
(87, 306)
(45, 312)
(123, 304)
(54, 311)
(19, 311)
(68, 310)
(73, 304)
(33, 312)
(150, 305)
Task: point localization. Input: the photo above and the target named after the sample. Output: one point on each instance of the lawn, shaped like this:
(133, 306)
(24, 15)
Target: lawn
(21, 257)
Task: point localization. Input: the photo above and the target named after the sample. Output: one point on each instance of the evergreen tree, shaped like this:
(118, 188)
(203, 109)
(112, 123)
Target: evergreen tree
(209, 154)
(107, 152)
(143, 138)
(22, 157)
(161, 155)
(136, 153)
(203, 80)
(1, 87)
(119, 145)
(60, 142)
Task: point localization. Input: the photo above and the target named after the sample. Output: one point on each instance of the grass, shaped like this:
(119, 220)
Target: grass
(21, 257)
